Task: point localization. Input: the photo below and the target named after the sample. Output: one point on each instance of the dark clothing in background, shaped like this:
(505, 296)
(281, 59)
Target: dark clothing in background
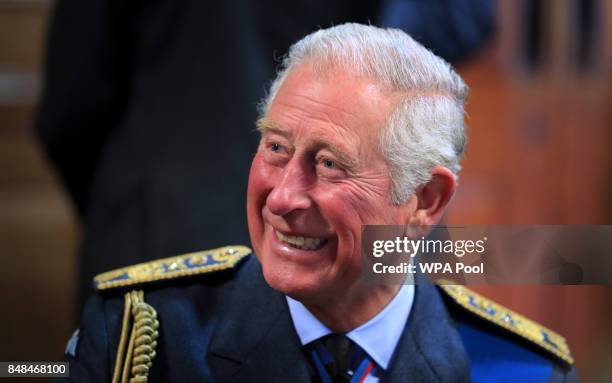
(148, 108)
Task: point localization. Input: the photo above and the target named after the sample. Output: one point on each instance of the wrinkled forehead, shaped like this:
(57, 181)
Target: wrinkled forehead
(336, 98)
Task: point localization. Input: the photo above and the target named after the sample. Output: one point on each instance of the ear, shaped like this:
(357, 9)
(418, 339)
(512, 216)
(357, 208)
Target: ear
(433, 197)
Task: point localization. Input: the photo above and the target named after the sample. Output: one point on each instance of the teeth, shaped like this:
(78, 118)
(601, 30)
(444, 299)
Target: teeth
(305, 243)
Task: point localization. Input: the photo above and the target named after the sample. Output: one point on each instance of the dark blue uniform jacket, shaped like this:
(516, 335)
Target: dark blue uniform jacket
(230, 326)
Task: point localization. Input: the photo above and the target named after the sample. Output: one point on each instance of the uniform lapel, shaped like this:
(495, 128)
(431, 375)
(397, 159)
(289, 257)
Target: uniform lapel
(430, 349)
(256, 339)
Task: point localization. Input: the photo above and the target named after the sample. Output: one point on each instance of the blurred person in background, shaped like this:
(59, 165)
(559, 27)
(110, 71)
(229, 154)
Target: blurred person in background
(148, 107)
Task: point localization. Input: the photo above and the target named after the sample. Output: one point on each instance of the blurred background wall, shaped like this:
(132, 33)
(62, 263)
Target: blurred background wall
(539, 153)
(38, 231)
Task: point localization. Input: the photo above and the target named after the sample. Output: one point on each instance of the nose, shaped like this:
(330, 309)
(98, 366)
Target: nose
(291, 192)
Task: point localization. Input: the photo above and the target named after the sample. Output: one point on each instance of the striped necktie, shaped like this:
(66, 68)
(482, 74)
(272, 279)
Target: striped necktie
(336, 359)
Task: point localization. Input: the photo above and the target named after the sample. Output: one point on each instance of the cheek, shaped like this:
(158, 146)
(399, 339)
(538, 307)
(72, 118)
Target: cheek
(345, 211)
(260, 185)
(258, 179)
(352, 206)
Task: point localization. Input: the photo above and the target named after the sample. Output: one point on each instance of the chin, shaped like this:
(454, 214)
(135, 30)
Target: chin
(297, 287)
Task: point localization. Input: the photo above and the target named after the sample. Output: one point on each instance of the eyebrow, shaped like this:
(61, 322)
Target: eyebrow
(265, 125)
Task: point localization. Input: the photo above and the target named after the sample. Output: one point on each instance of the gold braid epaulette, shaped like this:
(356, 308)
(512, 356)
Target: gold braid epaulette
(138, 340)
(180, 266)
(535, 333)
(140, 327)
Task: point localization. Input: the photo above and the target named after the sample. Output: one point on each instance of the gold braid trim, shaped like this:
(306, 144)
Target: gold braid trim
(182, 266)
(137, 360)
(508, 319)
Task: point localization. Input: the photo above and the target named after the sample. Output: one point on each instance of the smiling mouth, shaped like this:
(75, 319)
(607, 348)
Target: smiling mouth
(302, 243)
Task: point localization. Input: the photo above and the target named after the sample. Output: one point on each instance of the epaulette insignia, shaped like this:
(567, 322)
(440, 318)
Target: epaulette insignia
(509, 320)
(170, 268)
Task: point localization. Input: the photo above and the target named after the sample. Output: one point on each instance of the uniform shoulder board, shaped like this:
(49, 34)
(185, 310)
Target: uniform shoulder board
(201, 262)
(507, 319)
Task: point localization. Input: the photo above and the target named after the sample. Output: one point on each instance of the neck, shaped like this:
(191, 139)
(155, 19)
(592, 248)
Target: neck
(343, 314)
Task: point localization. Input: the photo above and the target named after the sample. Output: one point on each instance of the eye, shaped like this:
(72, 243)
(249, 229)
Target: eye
(328, 167)
(329, 164)
(275, 147)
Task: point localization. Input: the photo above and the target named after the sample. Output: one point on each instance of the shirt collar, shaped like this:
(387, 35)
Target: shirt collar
(378, 336)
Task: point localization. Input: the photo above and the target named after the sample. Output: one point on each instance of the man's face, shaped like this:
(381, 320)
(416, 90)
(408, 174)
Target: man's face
(317, 177)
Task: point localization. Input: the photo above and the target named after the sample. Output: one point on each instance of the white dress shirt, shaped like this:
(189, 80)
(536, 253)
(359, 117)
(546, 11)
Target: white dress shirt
(378, 337)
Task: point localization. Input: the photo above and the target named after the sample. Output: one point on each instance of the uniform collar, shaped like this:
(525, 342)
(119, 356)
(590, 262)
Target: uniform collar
(256, 338)
(378, 337)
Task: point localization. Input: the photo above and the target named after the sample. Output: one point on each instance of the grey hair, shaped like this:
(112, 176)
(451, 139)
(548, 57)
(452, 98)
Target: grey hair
(426, 127)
